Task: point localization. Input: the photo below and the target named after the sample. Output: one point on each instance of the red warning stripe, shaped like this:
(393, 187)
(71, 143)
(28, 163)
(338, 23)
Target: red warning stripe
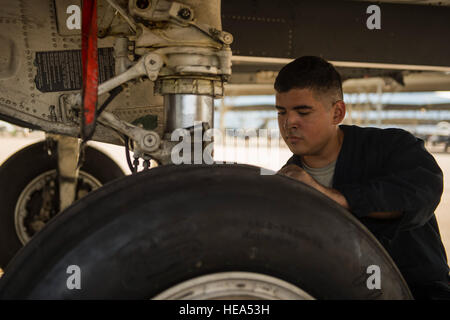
(89, 61)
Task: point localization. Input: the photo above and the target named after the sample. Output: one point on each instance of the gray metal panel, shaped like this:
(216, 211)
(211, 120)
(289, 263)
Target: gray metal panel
(416, 2)
(336, 30)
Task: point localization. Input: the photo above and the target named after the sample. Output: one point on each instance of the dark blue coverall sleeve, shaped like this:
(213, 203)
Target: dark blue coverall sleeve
(412, 184)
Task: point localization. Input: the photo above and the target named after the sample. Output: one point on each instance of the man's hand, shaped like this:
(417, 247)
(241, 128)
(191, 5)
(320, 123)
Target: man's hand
(300, 174)
(297, 173)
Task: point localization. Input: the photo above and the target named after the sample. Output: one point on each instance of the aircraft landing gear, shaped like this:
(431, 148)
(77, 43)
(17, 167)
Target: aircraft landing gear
(203, 231)
(30, 194)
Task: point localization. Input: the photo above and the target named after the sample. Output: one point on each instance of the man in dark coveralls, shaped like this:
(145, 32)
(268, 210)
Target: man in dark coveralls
(385, 177)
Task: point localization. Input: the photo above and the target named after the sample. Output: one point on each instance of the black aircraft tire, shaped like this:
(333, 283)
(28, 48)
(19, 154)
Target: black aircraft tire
(145, 233)
(25, 165)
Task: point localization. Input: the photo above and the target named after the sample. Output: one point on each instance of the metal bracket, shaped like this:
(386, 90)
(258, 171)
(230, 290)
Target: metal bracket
(147, 141)
(149, 64)
(68, 151)
(184, 14)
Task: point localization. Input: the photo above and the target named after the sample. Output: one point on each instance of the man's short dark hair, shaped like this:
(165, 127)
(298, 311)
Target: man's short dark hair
(310, 72)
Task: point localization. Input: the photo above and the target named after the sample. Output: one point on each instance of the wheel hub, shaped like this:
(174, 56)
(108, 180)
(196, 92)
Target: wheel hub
(234, 286)
(39, 202)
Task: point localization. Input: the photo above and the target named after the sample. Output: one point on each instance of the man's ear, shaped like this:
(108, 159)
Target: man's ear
(339, 112)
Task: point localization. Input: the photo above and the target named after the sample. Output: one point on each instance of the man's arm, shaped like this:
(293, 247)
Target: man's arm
(340, 198)
(410, 188)
(300, 174)
(412, 182)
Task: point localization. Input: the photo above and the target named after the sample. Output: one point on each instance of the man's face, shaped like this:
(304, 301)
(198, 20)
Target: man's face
(305, 123)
